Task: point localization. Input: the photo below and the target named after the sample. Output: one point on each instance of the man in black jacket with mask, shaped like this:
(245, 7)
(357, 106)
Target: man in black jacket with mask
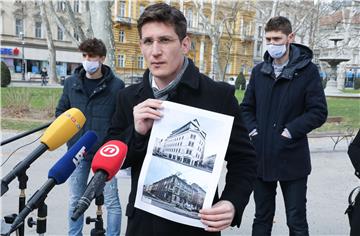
(283, 102)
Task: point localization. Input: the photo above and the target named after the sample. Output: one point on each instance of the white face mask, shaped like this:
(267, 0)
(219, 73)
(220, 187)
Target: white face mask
(276, 51)
(91, 66)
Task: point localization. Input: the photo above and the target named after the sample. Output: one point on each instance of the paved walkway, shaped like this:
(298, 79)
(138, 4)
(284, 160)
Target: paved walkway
(331, 181)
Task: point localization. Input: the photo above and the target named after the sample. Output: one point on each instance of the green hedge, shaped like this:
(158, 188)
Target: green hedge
(5, 75)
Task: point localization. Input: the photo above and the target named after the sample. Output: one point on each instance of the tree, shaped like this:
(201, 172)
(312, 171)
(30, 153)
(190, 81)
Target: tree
(240, 82)
(97, 16)
(50, 44)
(220, 24)
(102, 22)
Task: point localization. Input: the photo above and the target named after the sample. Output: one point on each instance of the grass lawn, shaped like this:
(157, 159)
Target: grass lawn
(27, 102)
(347, 107)
(24, 108)
(36, 98)
(357, 91)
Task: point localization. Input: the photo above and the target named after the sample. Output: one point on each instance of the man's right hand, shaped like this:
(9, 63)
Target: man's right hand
(145, 113)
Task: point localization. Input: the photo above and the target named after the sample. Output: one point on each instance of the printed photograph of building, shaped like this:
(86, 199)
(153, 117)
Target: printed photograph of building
(186, 145)
(175, 194)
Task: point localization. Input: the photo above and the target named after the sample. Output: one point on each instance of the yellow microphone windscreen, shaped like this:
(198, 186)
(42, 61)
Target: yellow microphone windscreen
(63, 128)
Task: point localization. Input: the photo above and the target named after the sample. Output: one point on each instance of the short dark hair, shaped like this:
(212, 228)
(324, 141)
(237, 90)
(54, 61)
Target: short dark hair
(162, 12)
(279, 23)
(93, 46)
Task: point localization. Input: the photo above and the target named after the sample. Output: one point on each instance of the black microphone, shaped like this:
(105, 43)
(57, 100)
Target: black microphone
(106, 163)
(19, 136)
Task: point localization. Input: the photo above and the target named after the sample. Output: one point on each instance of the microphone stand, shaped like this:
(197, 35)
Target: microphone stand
(99, 223)
(22, 178)
(19, 136)
(41, 219)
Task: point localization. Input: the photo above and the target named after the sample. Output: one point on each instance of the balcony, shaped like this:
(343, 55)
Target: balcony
(123, 20)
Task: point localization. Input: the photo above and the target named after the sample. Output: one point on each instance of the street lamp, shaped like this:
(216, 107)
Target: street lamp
(22, 38)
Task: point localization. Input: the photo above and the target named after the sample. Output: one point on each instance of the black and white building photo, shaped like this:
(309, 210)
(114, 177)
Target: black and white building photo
(186, 145)
(183, 163)
(176, 195)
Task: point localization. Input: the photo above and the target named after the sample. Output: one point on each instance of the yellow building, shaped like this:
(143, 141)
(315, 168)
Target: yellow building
(131, 64)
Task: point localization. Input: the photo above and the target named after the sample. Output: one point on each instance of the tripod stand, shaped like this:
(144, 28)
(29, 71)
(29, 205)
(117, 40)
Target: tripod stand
(99, 222)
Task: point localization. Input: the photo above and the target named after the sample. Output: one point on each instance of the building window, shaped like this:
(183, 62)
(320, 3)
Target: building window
(228, 68)
(19, 27)
(76, 36)
(60, 34)
(60, 6)
(122, 9)
(259, 32)
(122, 36)
(258, 48)
(189, 18)
(140, 62)
(242, 27)
(121, 61)
(142, 8)
(38, 29)
(76, 6)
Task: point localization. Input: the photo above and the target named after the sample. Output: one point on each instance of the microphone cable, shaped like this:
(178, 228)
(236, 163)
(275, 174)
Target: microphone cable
(19, 149)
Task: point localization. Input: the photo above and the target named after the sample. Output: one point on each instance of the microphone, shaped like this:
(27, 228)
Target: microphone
(58, 174)
(106, 163)
(58, 133)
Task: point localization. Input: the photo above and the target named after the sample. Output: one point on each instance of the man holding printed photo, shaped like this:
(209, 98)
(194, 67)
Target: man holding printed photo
(173, 77)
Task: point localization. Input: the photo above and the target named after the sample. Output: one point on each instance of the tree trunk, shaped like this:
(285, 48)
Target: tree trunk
(52, 52)
(100, 12)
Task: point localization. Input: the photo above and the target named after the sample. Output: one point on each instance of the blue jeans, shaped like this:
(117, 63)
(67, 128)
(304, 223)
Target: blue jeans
(77, 183)
(294, 193)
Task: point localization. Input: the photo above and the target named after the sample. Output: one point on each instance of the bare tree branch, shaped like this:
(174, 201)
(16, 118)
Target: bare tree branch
(61, 24)
(74, 22)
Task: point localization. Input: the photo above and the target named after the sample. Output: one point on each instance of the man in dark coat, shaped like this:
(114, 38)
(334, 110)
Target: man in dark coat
(283, 102)
(172, 76)
(354, 210)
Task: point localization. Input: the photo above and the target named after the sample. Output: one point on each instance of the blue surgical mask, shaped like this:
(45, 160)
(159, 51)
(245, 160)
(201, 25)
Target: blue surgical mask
(91, 66)
(276, 51)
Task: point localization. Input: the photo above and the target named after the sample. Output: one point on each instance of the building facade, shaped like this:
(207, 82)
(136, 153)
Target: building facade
(131, 64)
(177, 191)
(23, 39)
(185, 145)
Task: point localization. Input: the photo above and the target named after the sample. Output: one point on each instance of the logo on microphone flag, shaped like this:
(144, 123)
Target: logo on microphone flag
(109, 150)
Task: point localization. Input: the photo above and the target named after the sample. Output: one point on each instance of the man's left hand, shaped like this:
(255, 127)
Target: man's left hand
(219, 216)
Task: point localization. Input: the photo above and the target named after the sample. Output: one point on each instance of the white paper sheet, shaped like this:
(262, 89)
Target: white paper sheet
(183, 163)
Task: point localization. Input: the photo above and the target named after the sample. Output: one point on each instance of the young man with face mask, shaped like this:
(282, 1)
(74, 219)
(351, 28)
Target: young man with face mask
(92, 88)
(173, 77)
(283, 102)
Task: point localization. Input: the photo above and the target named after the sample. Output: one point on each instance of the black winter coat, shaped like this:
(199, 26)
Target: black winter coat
(197, 90)
(296, 101)
(98, 108)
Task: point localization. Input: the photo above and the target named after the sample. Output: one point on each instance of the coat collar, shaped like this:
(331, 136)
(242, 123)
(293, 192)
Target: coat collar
(190, 79)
